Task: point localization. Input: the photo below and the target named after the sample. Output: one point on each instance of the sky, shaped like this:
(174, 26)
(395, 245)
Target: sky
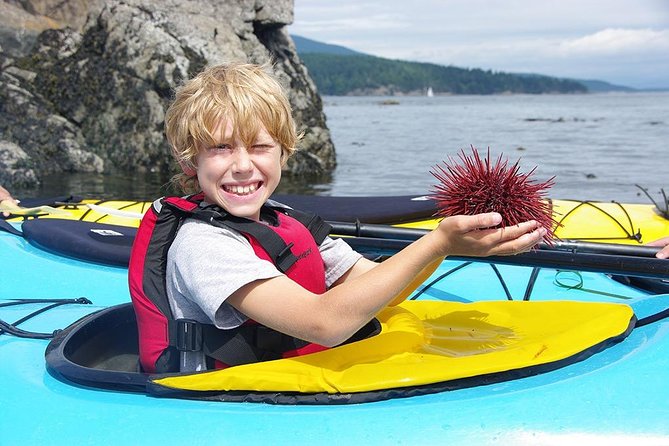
(624, 42)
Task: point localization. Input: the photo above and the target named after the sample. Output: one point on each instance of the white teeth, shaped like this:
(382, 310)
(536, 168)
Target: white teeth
(242, 190)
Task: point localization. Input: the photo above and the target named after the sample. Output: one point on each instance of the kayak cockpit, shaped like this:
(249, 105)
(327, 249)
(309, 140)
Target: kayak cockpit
(424, 347)
(100, 350)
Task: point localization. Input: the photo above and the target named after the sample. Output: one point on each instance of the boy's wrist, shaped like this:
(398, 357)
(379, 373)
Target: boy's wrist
(433, 242)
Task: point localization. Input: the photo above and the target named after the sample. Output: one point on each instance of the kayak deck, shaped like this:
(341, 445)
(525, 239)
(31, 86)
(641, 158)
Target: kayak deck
(617, 395)
(595, 399)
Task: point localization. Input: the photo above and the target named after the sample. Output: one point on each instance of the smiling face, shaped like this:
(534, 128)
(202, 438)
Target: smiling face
(239, 176)
(219, 128)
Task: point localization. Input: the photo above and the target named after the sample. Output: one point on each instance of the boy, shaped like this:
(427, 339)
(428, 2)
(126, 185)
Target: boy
(231, 130)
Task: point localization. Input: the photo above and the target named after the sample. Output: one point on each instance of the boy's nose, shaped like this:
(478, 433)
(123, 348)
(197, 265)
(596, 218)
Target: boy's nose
(242, 161)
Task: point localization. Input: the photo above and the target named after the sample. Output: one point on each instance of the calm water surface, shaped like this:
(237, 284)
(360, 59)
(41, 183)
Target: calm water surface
(597, 146)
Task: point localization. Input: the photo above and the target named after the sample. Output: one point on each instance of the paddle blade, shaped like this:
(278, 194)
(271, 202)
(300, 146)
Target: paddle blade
(19, 211)
(115, 212)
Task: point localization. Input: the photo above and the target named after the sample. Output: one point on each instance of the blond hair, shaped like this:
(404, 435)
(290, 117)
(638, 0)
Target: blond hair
(248, 95)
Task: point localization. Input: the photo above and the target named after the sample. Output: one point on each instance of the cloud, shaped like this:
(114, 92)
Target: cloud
(376, 22)
(612, 41)
(339, 19)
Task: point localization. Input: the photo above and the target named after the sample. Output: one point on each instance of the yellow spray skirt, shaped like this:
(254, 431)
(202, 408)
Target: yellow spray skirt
(427, 342)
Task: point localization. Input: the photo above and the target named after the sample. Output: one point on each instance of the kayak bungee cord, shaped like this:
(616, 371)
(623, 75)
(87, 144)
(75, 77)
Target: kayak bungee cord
(629, 236)
(457, 268)
(531, 282)
(664, 209)
(579, 285)
(501, 281)
(439, 279)
(13, 330)
(652, 318)
(558, 281)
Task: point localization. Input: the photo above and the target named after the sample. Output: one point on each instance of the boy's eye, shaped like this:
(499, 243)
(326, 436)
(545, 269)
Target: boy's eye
(263, 146)
(221, 147)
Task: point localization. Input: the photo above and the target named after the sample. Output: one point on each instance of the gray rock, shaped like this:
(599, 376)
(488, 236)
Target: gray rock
(90, 96)
(46, 138)
(15, 166)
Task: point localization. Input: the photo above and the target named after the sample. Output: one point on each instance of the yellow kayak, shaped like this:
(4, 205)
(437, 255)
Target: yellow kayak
(610, 222)
(113, 212)
(606, 222)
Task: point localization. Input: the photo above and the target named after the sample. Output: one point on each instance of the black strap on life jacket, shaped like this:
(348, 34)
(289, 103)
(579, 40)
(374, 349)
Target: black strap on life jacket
(272, 243)
(248, 343)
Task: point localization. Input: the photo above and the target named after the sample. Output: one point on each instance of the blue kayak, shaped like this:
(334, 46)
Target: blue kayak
(616, 395)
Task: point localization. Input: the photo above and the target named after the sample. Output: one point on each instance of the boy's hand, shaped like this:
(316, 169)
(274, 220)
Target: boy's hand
(7, 202)
(664, 252)
(475, 235)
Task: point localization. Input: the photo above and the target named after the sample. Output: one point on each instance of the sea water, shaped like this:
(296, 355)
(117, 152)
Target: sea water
(597, 146)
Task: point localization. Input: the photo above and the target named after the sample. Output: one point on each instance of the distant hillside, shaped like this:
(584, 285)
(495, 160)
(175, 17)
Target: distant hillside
(595, 86)
(365, 74)
(341, 75)
(305, 46)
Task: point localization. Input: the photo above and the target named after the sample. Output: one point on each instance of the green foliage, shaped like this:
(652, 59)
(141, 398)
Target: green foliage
(340, 75)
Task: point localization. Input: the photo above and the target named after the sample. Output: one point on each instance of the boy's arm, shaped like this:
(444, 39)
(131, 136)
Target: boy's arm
(332, 317)
(363, 265)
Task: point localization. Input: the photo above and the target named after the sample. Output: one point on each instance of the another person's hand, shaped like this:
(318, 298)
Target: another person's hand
(7, 199)
(664, 243)
(476, 235)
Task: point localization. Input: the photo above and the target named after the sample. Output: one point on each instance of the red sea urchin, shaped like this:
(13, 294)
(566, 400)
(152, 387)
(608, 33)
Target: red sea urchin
(476, 186)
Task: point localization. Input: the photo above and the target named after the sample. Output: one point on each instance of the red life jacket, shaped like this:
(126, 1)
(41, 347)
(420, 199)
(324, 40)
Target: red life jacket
(292, 246)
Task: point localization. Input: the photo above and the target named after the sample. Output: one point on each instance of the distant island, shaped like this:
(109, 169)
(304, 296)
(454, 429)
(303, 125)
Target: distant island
(340, 71)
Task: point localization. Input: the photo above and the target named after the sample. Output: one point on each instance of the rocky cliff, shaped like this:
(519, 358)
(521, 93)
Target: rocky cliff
(84, 84)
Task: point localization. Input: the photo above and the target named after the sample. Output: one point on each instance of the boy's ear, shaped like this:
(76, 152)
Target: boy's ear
(188, 168)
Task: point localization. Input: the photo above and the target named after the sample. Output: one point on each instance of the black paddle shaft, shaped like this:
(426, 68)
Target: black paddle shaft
(400, 233)
(627, 260)
(543, 257)
(376, 231)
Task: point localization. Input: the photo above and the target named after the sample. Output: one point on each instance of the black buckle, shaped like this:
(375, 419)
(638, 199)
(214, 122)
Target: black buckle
(188, 335)
(285, 259)
(268, 339)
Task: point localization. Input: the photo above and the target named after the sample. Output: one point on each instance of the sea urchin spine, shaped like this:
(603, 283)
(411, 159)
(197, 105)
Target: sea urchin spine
(477, 186)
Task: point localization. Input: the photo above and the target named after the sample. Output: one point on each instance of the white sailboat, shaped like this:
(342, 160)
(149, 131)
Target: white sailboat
(430, 93)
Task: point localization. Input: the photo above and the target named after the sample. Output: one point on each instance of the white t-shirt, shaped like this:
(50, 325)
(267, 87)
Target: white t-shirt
(206, 264)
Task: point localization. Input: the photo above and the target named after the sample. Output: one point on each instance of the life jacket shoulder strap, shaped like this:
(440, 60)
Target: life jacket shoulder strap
(278, 250)
(318, 227)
